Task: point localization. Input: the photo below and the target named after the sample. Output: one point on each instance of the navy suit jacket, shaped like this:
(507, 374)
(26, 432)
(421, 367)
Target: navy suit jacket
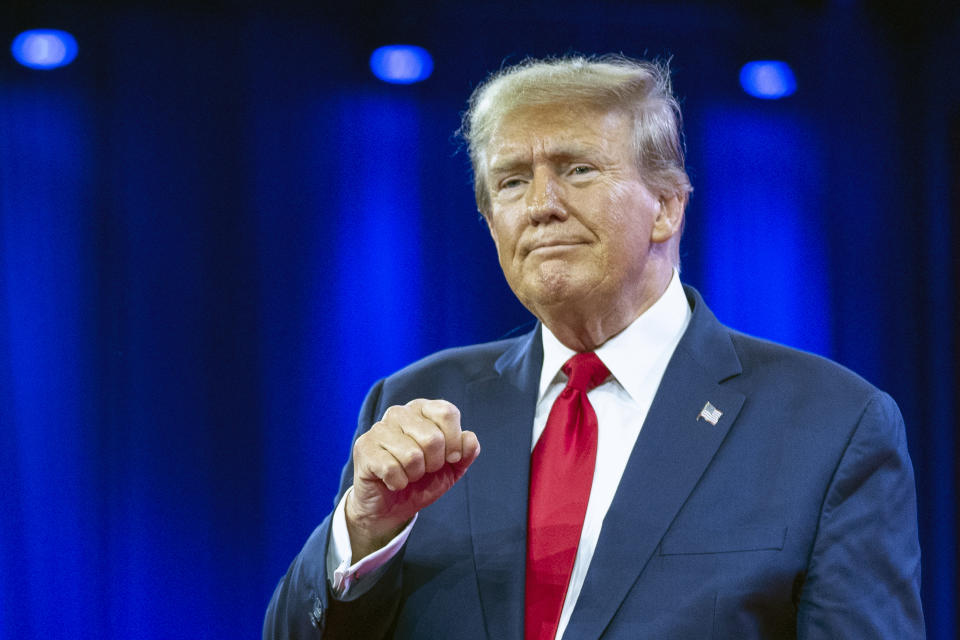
(793, 516)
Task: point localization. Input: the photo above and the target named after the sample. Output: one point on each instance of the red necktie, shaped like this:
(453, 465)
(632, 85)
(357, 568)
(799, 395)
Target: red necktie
(561, 473)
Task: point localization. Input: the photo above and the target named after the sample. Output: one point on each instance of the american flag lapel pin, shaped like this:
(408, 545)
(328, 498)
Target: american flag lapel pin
(710, 413)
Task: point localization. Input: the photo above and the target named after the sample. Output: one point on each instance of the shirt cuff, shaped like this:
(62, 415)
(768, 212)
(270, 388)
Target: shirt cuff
(350, 581)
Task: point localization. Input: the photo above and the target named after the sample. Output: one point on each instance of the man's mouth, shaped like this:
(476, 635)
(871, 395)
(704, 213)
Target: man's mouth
(551, 246)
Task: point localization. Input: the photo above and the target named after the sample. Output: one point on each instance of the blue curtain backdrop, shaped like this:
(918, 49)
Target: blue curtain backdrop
(217, 230)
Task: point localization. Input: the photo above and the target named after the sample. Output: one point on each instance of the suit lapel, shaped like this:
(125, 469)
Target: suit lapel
(672, 452)
(500, 408)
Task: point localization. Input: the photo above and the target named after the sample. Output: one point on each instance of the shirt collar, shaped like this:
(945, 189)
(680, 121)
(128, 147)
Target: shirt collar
(633, 353)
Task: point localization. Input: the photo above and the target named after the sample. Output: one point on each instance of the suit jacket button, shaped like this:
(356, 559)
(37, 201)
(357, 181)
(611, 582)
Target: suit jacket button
(316, 616)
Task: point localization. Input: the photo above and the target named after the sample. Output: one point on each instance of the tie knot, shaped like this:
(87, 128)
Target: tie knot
(585, 371)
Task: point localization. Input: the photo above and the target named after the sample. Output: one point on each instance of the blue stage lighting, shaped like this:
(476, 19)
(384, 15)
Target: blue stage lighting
(768, 79)
(401, 63)
(44, 48)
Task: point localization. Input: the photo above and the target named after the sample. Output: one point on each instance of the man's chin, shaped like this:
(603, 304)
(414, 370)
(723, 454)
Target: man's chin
(555, 292)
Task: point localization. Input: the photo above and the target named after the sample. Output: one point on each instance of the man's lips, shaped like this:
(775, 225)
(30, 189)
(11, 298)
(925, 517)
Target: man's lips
(553, 245)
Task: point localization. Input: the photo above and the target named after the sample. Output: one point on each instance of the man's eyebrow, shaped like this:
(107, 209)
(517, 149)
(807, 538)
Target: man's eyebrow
(509, 162)
(565, 153)
(578, 152)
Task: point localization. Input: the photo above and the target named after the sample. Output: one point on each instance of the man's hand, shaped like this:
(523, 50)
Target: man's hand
(402, 464)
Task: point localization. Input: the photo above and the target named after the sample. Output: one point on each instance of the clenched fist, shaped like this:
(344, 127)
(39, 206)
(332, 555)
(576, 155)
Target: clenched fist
(402, 464)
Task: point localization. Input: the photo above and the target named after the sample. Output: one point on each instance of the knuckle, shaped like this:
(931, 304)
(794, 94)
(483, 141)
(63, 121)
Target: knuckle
(412, 458)
(369, 440)
(447, 411)
(434, 442)
(378, 465)
(386, 469)
(451, 411)
(395, 476)
(391, 414)
(360, 445)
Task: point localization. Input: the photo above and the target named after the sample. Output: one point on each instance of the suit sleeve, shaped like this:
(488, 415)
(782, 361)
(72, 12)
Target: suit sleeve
(863, 577)
(302, 605)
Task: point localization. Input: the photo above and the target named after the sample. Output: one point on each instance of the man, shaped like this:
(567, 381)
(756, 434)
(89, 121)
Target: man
(646, 472)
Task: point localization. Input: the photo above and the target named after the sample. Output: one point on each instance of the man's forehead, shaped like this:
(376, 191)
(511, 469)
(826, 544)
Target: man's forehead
(553, 114)
(564, 129)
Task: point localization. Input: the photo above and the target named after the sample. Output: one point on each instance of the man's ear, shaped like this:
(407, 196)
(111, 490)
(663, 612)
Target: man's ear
(669, 220)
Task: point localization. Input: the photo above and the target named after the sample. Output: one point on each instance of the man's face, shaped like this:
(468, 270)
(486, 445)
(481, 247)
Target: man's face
(572, 221)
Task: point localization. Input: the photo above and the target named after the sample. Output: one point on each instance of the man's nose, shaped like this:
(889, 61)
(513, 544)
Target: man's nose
(545, 197)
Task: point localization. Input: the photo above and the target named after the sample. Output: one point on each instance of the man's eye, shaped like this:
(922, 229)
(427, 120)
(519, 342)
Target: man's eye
(581, 169)
(512, 182)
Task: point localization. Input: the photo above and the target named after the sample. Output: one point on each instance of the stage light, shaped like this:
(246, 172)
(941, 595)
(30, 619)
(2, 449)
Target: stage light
(768, 79)
(44, 48)
(401, 63)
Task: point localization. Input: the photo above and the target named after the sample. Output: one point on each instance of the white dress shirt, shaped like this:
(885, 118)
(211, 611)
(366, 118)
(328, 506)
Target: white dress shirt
(636, 358)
